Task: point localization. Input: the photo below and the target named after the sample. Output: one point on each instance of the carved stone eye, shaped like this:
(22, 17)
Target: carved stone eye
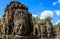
(21, 13)
(16, 5)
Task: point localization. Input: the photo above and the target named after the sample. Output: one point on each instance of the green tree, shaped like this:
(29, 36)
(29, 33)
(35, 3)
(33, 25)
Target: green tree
(0, 24)
(35, 23)
(58, 24)
(56, 28)
(35, 20)
(48, 18)
(0, 20)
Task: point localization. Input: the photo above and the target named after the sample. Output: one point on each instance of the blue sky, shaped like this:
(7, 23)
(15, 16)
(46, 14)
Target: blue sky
(41, 8)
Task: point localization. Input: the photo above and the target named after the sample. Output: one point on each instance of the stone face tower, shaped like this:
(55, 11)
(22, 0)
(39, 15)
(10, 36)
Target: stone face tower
(43, 30)
(17, 21)
(46, 30)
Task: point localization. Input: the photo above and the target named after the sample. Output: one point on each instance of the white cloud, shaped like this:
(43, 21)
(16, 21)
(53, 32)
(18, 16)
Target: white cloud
(58, 1)
(57, 21)
(54, 3)
(57, 12)
(46, 13)
(34, 15)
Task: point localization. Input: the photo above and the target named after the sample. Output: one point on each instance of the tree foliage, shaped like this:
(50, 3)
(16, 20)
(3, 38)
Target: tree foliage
(56, 27)
(35, 20)
(48, 18)
(0, 24)
(35, 23)
(0, 20)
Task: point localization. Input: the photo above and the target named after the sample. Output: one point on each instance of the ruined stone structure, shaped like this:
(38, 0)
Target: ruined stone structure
(58, 32)
(43, 30)
(46, 30)
(17, 22)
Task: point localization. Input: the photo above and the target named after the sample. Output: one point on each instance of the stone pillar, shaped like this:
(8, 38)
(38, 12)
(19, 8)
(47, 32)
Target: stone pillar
(50, 33)
(22, 37)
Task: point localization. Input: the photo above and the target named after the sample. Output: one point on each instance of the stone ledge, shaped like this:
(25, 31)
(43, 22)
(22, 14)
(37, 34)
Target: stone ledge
(22, 37)
(15, 37)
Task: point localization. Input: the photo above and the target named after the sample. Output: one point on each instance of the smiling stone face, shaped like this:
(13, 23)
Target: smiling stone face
(21, 22)
(19, 19)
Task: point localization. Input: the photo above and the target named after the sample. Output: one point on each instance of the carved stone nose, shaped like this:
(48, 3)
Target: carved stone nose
(21, 27)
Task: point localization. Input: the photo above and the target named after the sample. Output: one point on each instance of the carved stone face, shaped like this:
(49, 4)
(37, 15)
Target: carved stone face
(21, 27)
(21, 23)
